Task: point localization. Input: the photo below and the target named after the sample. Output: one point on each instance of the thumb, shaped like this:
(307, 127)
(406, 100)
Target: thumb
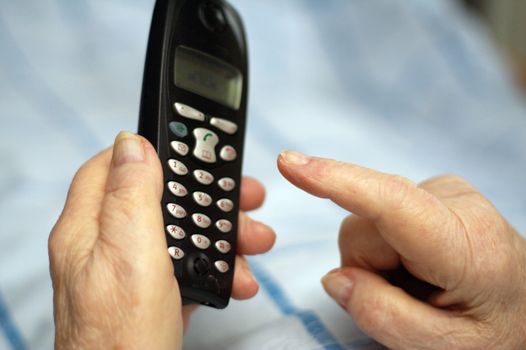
(390, 315)
(130, 213)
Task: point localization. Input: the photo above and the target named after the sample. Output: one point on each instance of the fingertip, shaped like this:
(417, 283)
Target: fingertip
(244, 285)
(293, 158)
(252, 194)
(254, 237)
(127, 148)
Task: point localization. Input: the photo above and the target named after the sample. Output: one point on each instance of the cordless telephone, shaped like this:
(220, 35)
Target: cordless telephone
(193, 110)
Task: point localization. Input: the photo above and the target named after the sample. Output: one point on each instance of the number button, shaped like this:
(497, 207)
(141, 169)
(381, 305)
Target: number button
(221, 266)
(225, 204)
(202, 199)
(180, 148)
(228, 153)
(200, 241)
(178, 167)
(203, 177)
(177, 189)
(201, 220)
(226, 184)
(176, 253)
(176, 211)
(224, 226)
(175, 231)
(223, 246)
(179, 129)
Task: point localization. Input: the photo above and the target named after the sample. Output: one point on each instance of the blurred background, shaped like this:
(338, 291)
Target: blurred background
(412, 87)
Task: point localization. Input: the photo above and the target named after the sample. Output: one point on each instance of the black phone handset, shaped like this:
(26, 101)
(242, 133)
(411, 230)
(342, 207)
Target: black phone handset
(193, 110)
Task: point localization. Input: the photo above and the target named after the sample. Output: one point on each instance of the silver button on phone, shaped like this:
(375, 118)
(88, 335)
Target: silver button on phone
(226, 184)
(224, 226)
(176, 210)
(189, 112)
(228, 153)
(177, 167)
(201, 198)
(175, 231)
(177, 189)
(225, 204)
(224, 125)
(221, 266)
(203, 177)
(201, 220)
(176, 253)
(223, 246)
(180, 147)
(205, 143)
(200, 241)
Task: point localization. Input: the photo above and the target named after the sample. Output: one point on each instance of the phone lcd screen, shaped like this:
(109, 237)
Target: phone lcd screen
(208, 76)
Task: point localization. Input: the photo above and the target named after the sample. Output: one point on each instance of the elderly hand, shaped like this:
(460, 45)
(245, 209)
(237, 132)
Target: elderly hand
(113, 280)
(429, 266)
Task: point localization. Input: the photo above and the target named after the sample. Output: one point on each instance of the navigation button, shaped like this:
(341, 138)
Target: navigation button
(205, 143)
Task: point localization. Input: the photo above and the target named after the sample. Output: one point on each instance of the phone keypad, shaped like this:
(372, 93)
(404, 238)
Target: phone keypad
(228, 153)
(176, 253)
(203, 177)
(178, 167)
(176, 210)
(205, 143)
(176, 232)
(189, 112)
(200, 241)
(180, 148)
(225, 204)
(179, 129)
(226, 184)
(224, 125)
(201, 198)
(210, 234)
(223, 246)
(221, 266)
(201, 220)
(224, 225)
(177, 189)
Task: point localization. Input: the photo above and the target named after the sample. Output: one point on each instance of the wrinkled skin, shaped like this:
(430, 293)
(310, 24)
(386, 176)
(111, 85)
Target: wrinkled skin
(428, 266)
(113, 280)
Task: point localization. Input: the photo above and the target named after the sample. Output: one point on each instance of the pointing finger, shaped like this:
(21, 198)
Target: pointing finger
(414, 222)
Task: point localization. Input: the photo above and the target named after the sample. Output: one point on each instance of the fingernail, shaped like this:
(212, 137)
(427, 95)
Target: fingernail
(128, 148)
(338, 286)
(294, 158)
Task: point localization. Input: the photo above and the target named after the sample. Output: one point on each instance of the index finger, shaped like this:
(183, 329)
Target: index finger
(429, 238)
